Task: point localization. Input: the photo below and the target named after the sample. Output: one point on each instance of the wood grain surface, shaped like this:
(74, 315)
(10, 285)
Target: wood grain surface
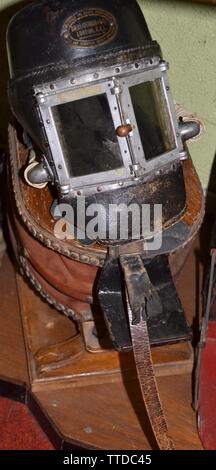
(109, 415)
(13, 363)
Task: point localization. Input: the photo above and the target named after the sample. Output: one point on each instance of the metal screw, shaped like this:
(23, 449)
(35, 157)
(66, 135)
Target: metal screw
(163, 65)
(41, 98)
(136, 167)
(65, 189)
(183, 155)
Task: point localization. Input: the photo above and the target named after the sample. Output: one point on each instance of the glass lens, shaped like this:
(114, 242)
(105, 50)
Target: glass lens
(87, 136)
(152, 118)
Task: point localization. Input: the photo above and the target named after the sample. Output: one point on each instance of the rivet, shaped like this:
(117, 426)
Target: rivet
(183, 155)
(88, 430)
(94, 261)
(41, 98)
(55, 246)
(65, 189)
(99, 189)
(96, 75)
(84, 259)
(74, 256)
(25, 252)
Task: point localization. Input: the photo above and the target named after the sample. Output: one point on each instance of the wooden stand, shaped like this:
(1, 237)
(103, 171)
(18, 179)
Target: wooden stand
(60, 357)
(82, 399)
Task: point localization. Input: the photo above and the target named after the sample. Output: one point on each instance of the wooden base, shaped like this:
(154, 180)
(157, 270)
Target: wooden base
(93, 402)
(59, 356)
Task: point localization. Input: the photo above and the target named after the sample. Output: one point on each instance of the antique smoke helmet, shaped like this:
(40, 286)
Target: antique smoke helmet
(90, 88)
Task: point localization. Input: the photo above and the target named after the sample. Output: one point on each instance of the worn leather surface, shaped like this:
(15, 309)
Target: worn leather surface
(45, 21)
(148, 385)
(68, 282)
(165, 315)
(140, 293)
(55, 264)
(49, 56)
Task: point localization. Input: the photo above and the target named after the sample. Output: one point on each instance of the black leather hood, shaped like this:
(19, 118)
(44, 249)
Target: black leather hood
(59, 32)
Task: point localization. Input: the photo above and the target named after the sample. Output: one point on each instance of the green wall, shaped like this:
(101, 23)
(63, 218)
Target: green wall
(186, 32)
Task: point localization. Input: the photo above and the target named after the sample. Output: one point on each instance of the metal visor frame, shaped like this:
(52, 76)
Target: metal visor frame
(117, 92)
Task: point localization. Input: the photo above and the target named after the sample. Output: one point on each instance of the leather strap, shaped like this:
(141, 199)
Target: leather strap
(139, 292)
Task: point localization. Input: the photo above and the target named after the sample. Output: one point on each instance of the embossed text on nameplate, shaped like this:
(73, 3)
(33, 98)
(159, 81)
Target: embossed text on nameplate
(90, 28)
